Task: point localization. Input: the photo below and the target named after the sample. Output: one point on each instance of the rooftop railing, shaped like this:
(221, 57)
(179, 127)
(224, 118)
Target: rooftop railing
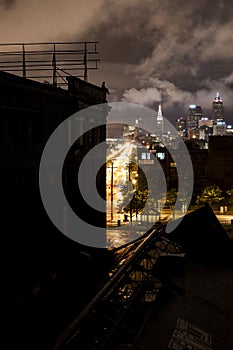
(49, 62)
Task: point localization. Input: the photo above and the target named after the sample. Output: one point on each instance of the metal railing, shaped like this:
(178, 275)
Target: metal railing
(49, 62)
(226, 222)
(132, 286)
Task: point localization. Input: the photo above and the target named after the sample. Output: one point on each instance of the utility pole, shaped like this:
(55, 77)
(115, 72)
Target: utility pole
(112, 191)
(135, 185)
(54, 65)
(112, 185)
(133, 181)
(24, 62)
(129, 165)
(85, 61)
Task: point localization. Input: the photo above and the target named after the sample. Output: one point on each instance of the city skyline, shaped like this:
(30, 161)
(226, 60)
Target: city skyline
(177, 52)
(203, 118)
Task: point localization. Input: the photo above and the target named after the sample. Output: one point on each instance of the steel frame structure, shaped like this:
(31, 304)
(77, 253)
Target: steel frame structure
(118, 313)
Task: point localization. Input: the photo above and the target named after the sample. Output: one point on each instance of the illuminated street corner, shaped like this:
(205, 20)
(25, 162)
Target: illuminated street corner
(136, 180)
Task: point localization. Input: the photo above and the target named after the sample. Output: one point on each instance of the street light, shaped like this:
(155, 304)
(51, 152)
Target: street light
(134, 182)
(132, 177)
(111, 193)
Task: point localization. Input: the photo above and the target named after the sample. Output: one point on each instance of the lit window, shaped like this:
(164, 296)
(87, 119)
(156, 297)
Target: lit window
(160, 155)
(143, 155)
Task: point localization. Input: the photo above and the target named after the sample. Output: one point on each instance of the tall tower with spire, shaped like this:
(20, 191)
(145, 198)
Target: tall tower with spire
(217, 107)
(159, 123)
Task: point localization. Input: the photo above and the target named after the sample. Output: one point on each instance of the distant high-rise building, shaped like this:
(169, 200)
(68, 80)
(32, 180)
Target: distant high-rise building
(217, 107)
(159, 123)
(193, 117)
(181, 126)
(205, 128)
(219, 125)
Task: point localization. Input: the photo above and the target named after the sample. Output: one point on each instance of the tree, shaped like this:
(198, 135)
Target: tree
(171, 197)
(133, 200)
(211, 195)
(230, 196)
(134, 195)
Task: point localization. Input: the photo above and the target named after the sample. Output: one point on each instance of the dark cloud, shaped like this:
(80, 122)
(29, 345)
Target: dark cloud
(178, 51)
(7, 3)
(126, 49)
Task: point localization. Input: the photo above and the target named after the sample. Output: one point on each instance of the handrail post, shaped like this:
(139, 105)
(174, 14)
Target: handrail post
(24, 62)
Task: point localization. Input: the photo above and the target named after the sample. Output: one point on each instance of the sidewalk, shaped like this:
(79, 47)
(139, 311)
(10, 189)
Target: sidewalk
(149, 220)
(166, 215)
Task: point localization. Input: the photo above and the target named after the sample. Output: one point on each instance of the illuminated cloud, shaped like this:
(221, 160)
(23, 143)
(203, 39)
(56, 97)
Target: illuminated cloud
(39, 20)
(178, 50)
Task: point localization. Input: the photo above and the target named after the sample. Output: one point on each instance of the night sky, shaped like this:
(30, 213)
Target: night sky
(175, 51)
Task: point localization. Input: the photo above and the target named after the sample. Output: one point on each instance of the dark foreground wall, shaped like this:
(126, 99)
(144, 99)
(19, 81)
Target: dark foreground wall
(49, 277)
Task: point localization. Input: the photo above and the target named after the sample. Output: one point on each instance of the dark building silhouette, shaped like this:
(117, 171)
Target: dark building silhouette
(220, 161)
(210, 166)
(49, 276)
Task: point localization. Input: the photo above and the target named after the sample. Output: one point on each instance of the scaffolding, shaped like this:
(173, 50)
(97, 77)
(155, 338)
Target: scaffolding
(49, 62)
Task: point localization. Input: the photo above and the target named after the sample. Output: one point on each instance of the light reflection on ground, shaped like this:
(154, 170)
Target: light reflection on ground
(118, 236)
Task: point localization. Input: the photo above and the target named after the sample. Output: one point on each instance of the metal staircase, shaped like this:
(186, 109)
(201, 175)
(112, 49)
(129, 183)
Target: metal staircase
(117, 314)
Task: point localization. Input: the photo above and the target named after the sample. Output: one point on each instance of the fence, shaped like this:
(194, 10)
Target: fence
(49, 62)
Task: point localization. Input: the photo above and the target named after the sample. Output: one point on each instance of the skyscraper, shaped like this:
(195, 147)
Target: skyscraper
(205, 128)
(219, 125)
(193, 117)
(159, 123)
(181, 126)
(217, 107)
